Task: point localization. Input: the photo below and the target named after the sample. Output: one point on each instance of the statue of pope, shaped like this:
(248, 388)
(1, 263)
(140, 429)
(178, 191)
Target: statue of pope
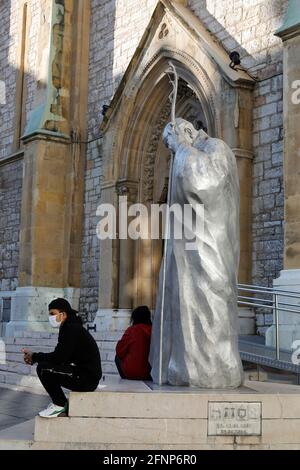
(197, 294)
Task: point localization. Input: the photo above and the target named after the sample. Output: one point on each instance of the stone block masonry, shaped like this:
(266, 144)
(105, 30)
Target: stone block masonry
(10, 41)
(11, 173)
(248, 27)
(116, 29)
(10, 209)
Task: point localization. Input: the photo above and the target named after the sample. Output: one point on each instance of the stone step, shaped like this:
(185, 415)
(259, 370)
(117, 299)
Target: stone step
(31, 334)
(143, 402)
(107, 345)
(16, 364)
(34, 342)
(99, 336)
(137, 405)
(14, 371)
(109, 368)
(121, 431)
(44, 342)
(45, 347)
(107, 336)
(17, 348)
(14, 378)
(19, 368)
(13, 349)
(171, 418)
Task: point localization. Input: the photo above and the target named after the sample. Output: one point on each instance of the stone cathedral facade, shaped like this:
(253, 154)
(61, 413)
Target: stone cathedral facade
(61, 155)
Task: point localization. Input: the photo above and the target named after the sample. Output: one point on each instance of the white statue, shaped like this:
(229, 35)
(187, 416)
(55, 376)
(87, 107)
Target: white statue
(194, 335)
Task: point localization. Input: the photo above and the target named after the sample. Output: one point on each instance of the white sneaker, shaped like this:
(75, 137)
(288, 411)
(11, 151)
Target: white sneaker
(52, 411)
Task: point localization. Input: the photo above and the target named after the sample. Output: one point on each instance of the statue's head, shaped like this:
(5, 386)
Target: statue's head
(200, 140)
(182, 132)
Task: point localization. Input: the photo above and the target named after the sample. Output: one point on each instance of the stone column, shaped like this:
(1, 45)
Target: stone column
(53, 175)
(238, 111)
(117, 280)
(289, 278)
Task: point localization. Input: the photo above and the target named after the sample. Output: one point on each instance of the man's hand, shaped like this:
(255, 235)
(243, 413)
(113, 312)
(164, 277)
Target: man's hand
(27, 356)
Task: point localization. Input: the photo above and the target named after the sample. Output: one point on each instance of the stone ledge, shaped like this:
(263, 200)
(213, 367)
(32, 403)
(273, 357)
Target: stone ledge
(150, 404)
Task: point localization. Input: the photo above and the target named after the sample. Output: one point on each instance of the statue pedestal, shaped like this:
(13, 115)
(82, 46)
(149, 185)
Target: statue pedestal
(109, 320)
(246, 321)
(29, 308)
(256, 416)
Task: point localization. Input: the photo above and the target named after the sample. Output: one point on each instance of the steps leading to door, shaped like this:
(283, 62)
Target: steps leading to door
(13, 371)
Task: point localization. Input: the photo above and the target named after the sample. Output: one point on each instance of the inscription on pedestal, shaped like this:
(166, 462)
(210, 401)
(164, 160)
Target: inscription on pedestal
(234, 418)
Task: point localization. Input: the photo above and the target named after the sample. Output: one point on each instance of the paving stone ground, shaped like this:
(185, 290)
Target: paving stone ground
(17, 406)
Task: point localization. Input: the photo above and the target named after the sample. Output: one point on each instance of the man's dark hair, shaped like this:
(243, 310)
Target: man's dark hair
(141, 314)
(63, 306)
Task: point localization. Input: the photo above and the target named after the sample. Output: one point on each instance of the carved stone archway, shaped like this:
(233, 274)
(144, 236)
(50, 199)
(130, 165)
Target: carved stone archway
(135, 162)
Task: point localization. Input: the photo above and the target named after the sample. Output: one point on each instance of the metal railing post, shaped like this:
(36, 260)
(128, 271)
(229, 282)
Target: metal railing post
(277, 327)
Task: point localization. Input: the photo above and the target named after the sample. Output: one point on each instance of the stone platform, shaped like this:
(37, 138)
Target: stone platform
(136, 415)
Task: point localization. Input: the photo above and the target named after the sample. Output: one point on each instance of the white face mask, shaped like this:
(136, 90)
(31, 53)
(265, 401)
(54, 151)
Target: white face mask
(53, 322)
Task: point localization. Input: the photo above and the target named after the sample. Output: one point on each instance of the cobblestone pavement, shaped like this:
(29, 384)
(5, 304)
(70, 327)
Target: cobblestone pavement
(17, 406)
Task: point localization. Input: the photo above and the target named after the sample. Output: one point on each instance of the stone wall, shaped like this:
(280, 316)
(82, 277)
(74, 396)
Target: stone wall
(116, 29)
(243, 25)
(248, 26)
(11, 173)
(8, 72)
(10, 209)
(11, 12)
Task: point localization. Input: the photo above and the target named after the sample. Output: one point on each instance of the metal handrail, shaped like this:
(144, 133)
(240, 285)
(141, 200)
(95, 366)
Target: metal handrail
(255, 304)
(274, 304)
(260, 300)
(268, 290)
(252, 304)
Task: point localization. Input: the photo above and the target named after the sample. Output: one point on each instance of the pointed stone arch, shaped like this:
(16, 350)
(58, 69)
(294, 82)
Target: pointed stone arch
(135, 162)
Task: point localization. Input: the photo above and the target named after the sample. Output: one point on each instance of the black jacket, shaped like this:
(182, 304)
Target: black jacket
(75, 346)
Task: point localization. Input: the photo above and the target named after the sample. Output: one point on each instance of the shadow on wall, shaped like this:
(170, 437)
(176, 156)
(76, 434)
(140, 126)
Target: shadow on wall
(11, 95)
(102, 83)
(252, 24)
(15, 86)
(101, 62)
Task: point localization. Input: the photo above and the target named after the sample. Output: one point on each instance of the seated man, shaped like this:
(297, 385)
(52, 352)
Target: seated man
(74, 364)
(132, 350)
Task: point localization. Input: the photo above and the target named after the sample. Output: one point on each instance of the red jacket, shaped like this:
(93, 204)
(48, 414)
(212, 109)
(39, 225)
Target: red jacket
(133, 350)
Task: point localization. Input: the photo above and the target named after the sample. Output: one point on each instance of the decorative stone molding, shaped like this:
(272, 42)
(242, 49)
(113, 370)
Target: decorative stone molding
(132, 145)
(189, 108)
(242, 153)
(151, 153)
(50, 112)
(127, 188)
(164, 31)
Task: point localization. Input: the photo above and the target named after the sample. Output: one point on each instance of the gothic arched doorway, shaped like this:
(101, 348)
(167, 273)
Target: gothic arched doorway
(135, 161)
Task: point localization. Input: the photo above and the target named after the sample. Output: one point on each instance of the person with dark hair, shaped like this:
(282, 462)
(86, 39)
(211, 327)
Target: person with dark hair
(132, 350)
(75, 363)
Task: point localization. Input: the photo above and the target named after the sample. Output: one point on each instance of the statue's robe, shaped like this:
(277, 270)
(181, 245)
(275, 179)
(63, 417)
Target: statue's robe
(200, 314)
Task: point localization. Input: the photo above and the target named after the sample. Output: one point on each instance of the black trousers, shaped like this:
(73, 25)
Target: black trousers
(118, 363)
(54, 377)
